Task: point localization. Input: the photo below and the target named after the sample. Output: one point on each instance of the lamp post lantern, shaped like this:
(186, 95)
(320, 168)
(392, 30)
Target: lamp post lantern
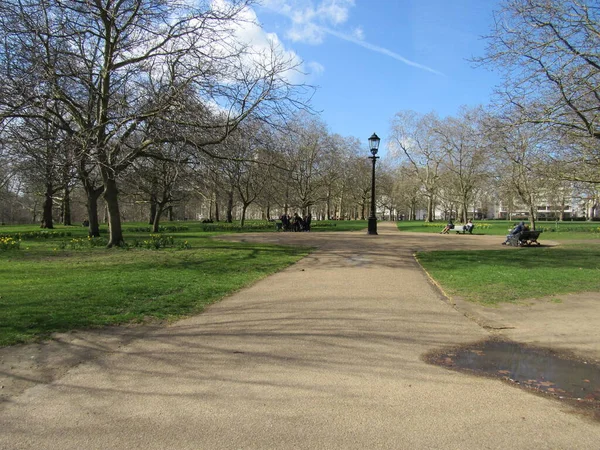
(374, 147)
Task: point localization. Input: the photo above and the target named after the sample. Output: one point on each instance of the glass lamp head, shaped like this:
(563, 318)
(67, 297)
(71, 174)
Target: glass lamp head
(374, 144)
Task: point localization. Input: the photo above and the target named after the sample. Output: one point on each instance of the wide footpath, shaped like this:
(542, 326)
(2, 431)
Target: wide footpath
(324, 355)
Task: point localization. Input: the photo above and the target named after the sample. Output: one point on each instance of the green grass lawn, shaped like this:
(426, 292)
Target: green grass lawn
(495, 276)
(45, 289)
(491, 277)
(56, 282)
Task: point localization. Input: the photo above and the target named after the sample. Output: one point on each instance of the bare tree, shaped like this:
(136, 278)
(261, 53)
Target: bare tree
(409, 191)
(6, 166)
(358, 189)
(42, 156)
(415, 137)
(248, 168)
(466, 155)
(520, 168)
(549, 54)
(161, 179)
(122, 69)
(305, 145)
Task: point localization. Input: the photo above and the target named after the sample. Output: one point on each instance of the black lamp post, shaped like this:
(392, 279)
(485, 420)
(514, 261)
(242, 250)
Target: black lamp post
(373, 146)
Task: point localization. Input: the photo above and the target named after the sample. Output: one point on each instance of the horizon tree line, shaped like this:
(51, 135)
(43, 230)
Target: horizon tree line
(159, 102)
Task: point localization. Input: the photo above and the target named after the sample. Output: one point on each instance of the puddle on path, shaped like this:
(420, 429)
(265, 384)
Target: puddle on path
(535, 368)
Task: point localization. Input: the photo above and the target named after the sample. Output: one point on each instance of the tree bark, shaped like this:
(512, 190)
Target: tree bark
(67, 206)
(153, 206)
(92, 194)
(532, 218)
(114, 215)
(244, 208)
(429, 217)
(157, 215)
(153, 199)
(47, 209)
(230, 206)
(465, 209)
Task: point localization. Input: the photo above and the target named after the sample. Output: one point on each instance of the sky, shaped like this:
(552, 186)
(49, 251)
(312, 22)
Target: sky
(373, 58)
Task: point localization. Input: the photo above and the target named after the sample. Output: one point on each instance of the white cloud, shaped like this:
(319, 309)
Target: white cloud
(315, 68)
(262, 46)
(308, 33)
(359, 34)
(309, 17)
(335, 11)
(312, 21)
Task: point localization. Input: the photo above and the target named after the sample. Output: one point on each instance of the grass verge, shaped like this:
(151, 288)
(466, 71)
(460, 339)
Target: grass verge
(45, 290)
(491, 277)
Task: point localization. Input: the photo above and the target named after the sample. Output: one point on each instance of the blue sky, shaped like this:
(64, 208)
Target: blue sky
(373, 58)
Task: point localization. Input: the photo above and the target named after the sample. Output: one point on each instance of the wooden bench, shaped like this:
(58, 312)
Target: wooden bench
(524, 238)
(462, 229)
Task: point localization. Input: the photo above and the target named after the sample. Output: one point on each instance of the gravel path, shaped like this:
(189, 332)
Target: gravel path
(324, 355)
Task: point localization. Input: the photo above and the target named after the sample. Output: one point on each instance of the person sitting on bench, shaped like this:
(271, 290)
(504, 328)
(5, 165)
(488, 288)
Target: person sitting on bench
(516, 230)
(469, 226)
(449, 226)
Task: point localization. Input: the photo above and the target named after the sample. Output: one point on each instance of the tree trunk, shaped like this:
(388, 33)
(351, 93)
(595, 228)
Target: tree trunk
(66, 206)
(429, 216)
(230, 207)
(92, 194)
(286, 204)
(243, 219)
(464, 208)
(532, 217)
(114, 215)
(47, 209)
(157, 214)
(153, 204)
(94, 225)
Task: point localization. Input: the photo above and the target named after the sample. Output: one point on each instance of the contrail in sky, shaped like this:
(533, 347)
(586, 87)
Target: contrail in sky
(381, 50)
(375, 48)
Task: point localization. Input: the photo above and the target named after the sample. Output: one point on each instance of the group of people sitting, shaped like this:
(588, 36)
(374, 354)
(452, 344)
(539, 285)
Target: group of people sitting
(467, 228)
(295, 222)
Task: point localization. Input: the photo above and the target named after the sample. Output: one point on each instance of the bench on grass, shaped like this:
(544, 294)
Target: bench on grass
(462, 229)
(524, 238)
